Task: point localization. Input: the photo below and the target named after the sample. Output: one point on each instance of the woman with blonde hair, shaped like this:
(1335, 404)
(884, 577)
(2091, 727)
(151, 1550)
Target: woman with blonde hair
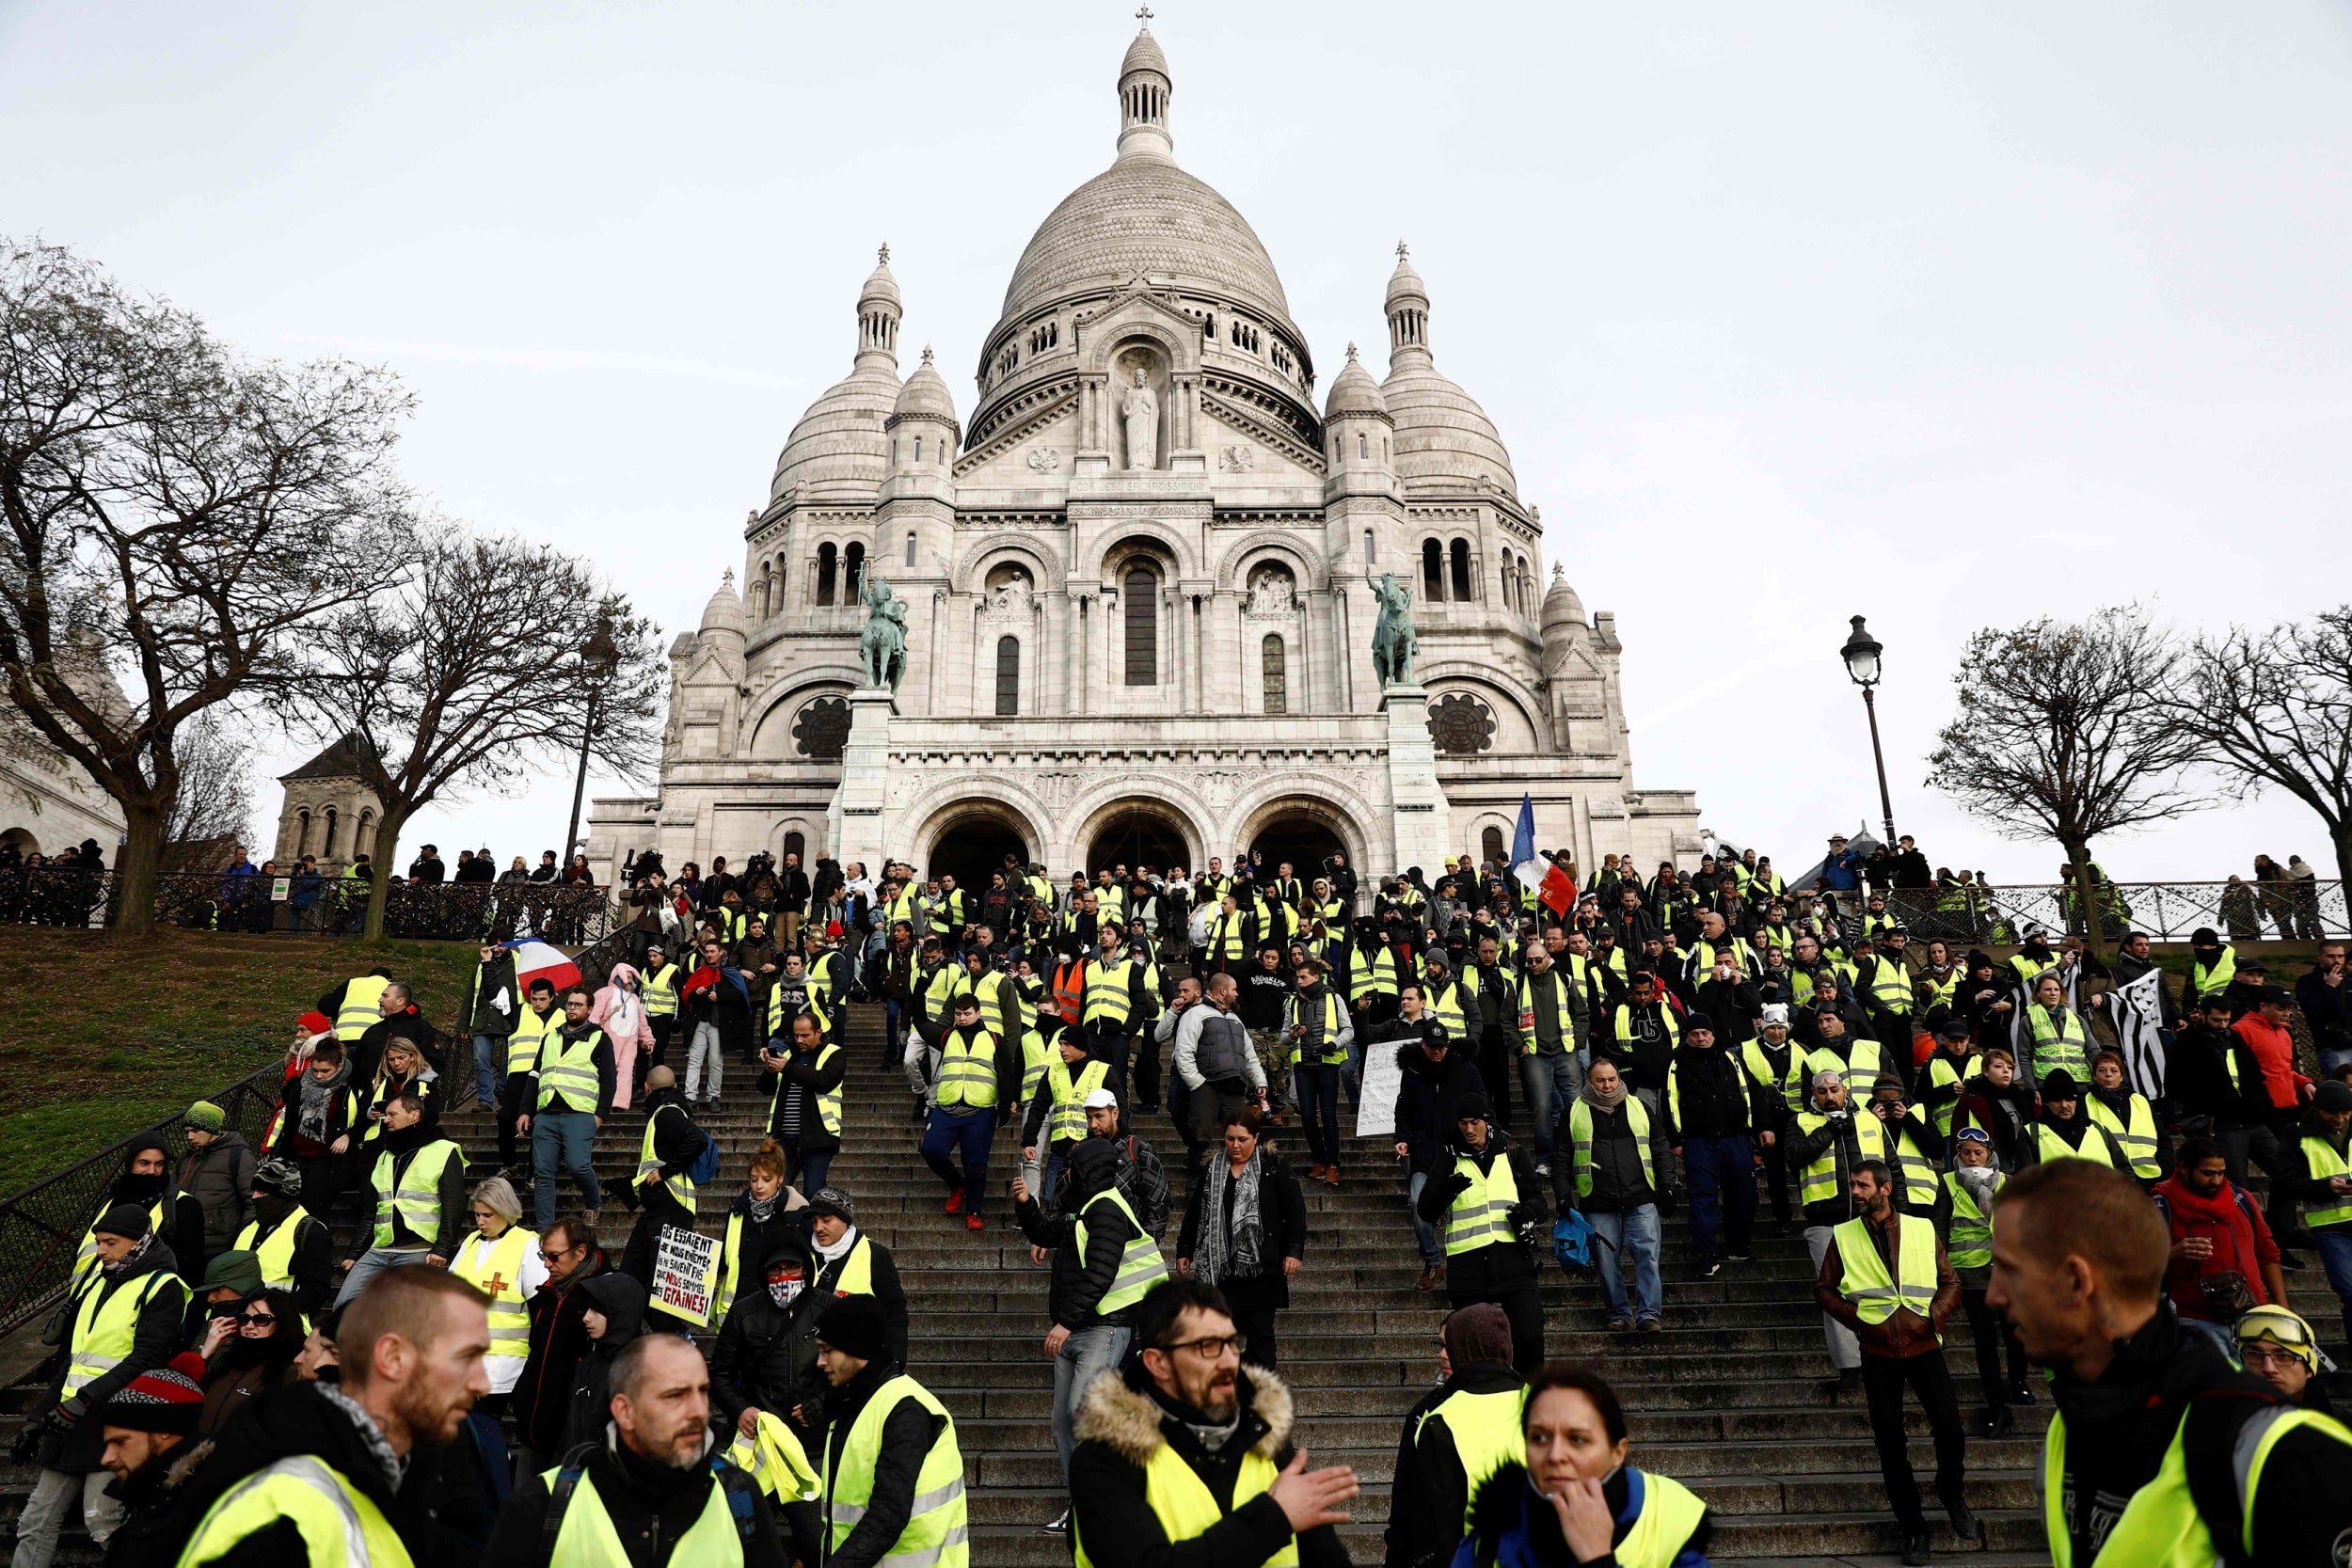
(501, 1260)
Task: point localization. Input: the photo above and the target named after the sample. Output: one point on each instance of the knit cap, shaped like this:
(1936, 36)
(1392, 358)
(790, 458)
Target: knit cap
(167, 1399)
(854, 1326)
(833, 1201)
(316, 1023)
(239, 1271)
(205, 1116)
(1475, 1334)
(123, 1219)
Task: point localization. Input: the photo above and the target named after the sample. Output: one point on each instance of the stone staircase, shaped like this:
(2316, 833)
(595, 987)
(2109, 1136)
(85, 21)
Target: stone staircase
(1728, 1398)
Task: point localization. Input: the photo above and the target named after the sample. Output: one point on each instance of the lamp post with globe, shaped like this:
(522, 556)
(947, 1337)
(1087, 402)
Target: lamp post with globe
(598, 657)
(1861, 653)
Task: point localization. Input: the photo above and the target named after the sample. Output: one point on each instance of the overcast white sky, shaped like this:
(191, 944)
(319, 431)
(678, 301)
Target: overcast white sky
(1948, 315)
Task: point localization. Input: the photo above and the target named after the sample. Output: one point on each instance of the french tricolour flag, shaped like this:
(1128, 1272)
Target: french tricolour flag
(535, 960)
(1552, 885)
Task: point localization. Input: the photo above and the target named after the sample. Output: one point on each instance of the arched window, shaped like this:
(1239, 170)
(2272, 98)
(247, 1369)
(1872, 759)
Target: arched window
(328, 847)
(853, 572)
(909, 548)
(918, 452)
(301, 833)
(1141, 588)
(1367, 546)
(1008, 676)
(1527, 587)
(1509, 596)
(824, 573)
(1461, 569)
(796, 842)
(364, 836)
(759, 593)
(1363, 446)
(1490, 846)
(1432, 571)
(1274, 675)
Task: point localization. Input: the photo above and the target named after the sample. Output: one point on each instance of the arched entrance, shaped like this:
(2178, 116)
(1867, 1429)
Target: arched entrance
(974, 845)
(1138, 835)
(1301, 838)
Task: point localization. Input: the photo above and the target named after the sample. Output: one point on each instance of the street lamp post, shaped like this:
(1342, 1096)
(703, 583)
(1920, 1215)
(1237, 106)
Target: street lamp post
(1861, 653)
(598, 657)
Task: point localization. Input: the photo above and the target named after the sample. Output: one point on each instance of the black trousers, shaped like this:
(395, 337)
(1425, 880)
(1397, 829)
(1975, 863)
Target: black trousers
(1497, 1068)
(1253, 1304)
(1991, 1331)
(1883, 1379)
(1894, 1038)
(1776, 1173)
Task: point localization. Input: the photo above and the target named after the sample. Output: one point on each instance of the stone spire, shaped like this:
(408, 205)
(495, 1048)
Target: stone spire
(1408, 311)
(877, 312)
(1144, 89)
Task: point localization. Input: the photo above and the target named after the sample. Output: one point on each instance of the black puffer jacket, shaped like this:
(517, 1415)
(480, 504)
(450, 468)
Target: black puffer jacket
(1081, 1278)
(1426, 1097)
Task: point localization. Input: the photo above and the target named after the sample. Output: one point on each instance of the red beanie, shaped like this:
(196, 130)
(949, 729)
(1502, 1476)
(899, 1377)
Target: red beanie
(315, 1024)
(167, 1398)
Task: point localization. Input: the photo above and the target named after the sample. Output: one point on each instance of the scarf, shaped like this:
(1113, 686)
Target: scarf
(1240, 1255)
(840, 1249)
(1604, 1101)
(140, 1249)
(762, 1209)
(395, 1466)
(317, 1100)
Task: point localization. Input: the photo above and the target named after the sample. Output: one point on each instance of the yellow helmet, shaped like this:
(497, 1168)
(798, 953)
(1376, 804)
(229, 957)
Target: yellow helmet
(2282, 1328)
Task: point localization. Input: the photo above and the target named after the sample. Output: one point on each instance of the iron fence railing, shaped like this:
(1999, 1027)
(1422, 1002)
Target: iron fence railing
(501, 912)
(41, 1228)
(2299, 911)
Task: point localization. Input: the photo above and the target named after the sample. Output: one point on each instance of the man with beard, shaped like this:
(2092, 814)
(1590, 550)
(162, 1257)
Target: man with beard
(2161, 1452)
(146, 1184)
(648, 1483)
(418, 1194)
(125, 1319)
(1185, 1421)
(147, 1429)
(308, 1474)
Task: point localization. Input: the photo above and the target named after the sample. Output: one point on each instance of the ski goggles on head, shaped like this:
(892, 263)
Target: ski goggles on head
(1973, 1135)
(2282, 1328)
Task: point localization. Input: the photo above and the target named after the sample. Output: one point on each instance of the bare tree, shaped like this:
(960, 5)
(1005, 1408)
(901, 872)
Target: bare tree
(170, 517)
(2063, 733)
(213, 809)
(471, 674)
(2275, 709)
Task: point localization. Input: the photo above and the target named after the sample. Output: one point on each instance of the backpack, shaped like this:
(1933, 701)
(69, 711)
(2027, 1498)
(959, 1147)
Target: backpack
(742, 1492)
(705, 1170)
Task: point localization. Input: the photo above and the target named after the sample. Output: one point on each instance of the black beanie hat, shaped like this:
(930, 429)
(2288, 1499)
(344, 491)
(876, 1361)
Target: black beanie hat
(854, 1326)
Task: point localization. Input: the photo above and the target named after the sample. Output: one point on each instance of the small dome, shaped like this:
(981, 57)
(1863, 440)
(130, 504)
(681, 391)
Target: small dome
(880, 287)
(725, 612)
(1144, 55)
(837, 451)
(1405, 283)
(926, 393)
(1561, 607)
(1353, 391)
(1444, 441)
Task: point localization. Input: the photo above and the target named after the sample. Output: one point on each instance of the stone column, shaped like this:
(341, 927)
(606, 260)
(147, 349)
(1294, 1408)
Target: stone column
(1417, 801)
(856, 825)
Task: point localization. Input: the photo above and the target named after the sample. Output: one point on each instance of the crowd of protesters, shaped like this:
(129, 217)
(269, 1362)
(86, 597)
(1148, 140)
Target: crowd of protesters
(1556, 1079)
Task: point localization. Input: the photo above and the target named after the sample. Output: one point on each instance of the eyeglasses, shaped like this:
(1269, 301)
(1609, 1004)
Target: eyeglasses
(257, 1318)
(1211, 1347)
(547, 1257)
(2257, 1353)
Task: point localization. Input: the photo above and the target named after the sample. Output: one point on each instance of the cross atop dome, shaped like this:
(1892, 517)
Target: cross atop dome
(883, 254)
(1144, 16)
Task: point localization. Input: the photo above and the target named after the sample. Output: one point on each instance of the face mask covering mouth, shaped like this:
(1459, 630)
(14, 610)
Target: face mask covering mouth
(785, 1292)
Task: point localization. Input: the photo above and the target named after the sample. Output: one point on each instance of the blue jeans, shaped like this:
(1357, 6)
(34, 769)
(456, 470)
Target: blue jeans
(562, 1140)
(1551, 1083)
(1085, 1355)
(1316, 1087)
(1721, 1177)
(487, 1081)
(1425, 1233)
(2335, 1256)
(375, 1262)
(971, 1133)
(1632, 1238)
(808, 1170)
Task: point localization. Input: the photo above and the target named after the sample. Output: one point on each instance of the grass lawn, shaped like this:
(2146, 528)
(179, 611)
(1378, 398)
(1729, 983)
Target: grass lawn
(110, 1034)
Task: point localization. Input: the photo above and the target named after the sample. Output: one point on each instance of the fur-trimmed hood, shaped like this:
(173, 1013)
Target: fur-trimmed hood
(1497, 1506)
(1127, 1419)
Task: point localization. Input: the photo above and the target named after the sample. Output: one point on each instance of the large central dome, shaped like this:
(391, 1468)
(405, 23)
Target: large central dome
(1144, 214)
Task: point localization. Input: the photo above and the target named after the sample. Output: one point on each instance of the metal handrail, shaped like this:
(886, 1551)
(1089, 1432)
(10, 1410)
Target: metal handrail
(2301, 911)
(216, 901)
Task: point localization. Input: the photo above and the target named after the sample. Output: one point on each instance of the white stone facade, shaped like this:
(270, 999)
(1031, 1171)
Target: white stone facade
(1139, 622)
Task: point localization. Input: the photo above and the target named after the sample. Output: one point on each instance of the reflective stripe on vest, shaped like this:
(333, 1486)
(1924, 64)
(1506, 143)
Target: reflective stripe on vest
(1486, 1436)
(1185, 1508)
(680, 1186)
(496, 1269)
(532, 1029)
(1035, 1055)
(1581, 1141)
(589, 1540)
(1665, 1015)
(1445, 1003)
(360, 1011)
(2137, 1134)
(1480, 1216)
(107, 1323)
(2325, 1162)
(1560, 1008)
(2060, 1043)
(1329, 1051)
(1140, 1266)
(1914, 1170)
(1942, 1074)
(1874, 1292)
(857, 1270)
(1860, 1067)
(274, 1255)
(1969, 1245)
(967, 1070)
(935, 1528)
(340, 1527)
(568, 1071)
(413, 1190)
(85, 1260)
(1890, 984)
(1067, 1121)
(1820, 1177)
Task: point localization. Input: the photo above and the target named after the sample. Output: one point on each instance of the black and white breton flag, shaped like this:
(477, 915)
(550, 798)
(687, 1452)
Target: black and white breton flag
(2138, 1011)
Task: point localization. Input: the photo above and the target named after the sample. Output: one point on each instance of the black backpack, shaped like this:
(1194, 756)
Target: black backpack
(742, 1493)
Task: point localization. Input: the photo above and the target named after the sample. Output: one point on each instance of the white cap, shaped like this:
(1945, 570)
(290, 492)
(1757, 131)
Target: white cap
(1099, 1100)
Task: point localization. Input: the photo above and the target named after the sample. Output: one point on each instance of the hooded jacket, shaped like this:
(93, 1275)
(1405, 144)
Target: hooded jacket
(766, 1357)
(186, 1225)
(1124, 1421)
(558, 1339)
(1081, 1279)
(907, 1435)
(220, 1178)
(1426, 1094)
(622, 1300)
(1430, 1496)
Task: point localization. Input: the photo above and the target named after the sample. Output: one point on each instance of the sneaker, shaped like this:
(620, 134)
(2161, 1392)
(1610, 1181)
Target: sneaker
(955, 1201)
(1710, 1269)
(2288, 1260)
(1060, 1526)
(1542, 1167)
(972, 1222)
(1314, 1172)
(1330, 1175)
(1620, 1325)
(1649, 1326)
(1739, 1257)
